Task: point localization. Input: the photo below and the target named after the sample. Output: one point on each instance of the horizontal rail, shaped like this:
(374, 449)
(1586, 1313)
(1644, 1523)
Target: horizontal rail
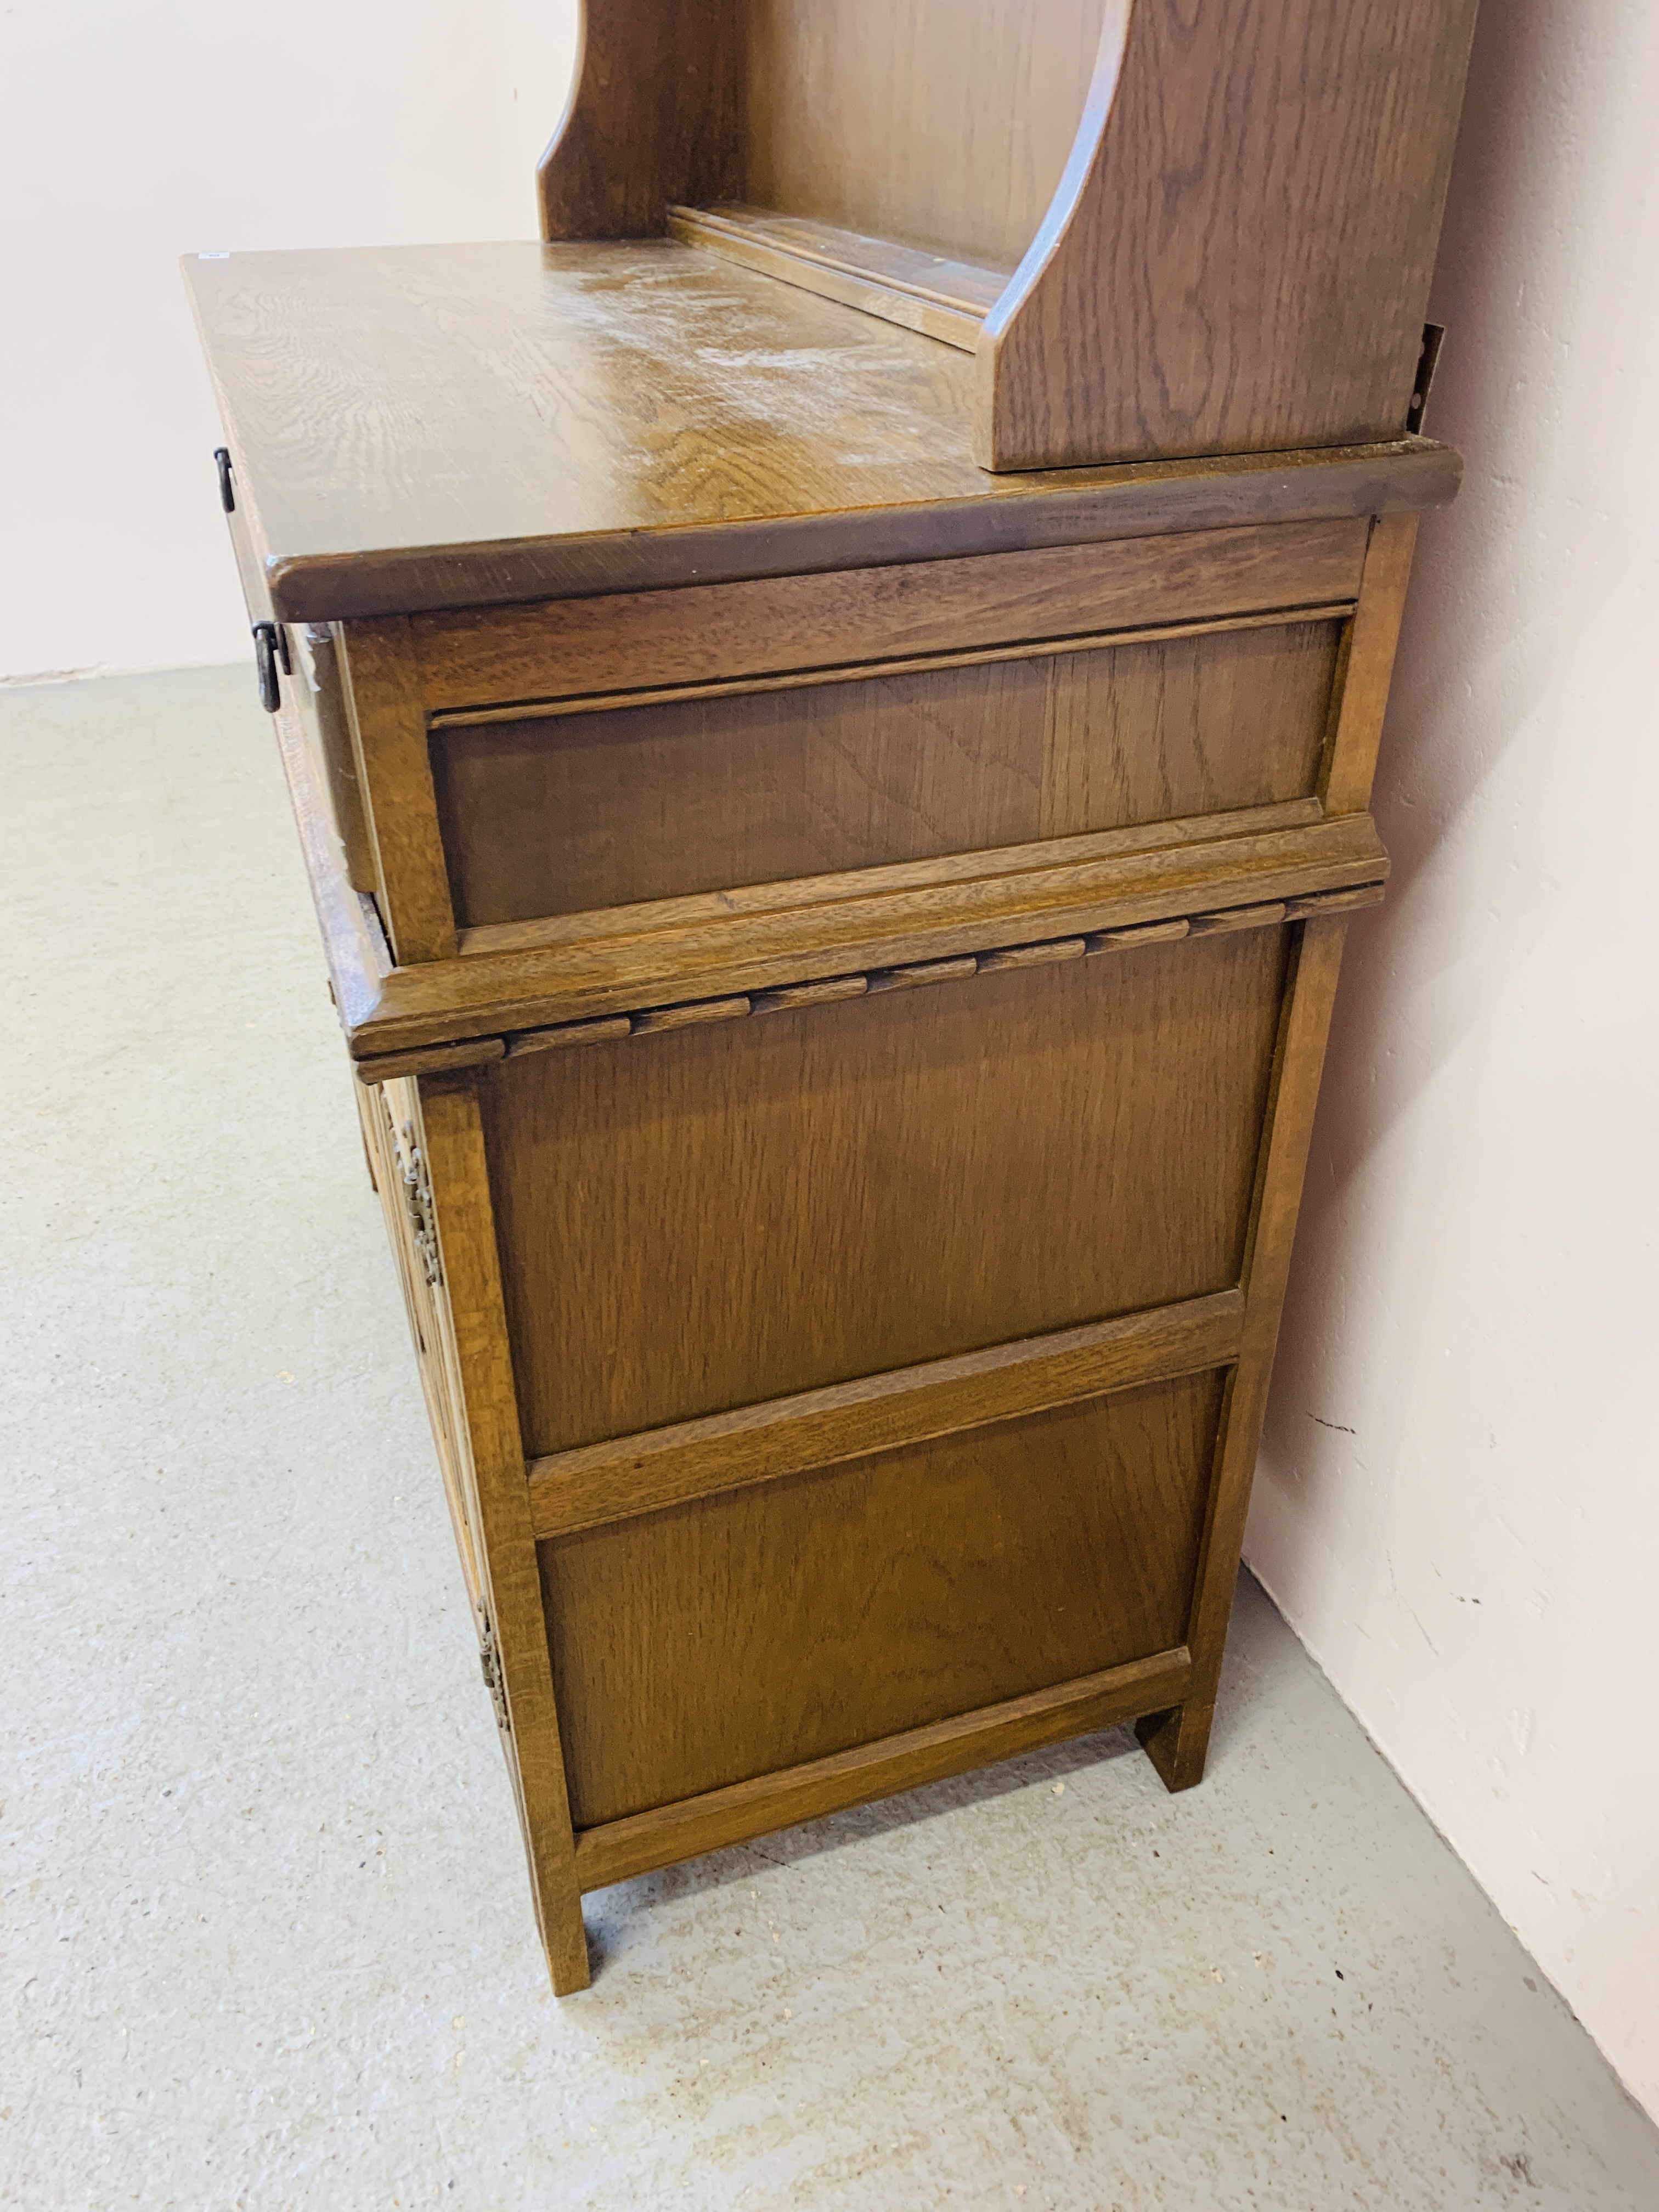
(621, 1848)
(595, 1485)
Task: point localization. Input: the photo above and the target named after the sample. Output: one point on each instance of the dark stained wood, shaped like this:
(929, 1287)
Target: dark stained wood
(943, 126)
(1179, 1741)
(1242, 263)
(712, 635)
(387, 722)
(653, 117)
(944, 299)
(616, 808)
(1368, 664)
(443, 426)
(771, 1626)
(570, 1033)
(741, 1211)
(451, 1140)
(434, 1060)
(579, 976)
(843, 941)
(753, 899)
(609, 809)
(672, 1832)
(629, 1475)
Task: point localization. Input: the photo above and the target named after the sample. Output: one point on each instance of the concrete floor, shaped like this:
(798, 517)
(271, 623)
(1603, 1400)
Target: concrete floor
(269, 1943)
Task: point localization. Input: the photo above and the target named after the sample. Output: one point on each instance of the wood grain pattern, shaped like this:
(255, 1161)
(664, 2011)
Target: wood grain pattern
(1242, 262)
(653, 117)
(943, 299)
(943, 126)
(1178, 1742)
(717, 632)
(865, 1104)
(591, 971)
(771, 1626)
(1185, 726)
(616, 809)
(432, 1059)
(627, 1476)
(723, 1817)
(451, 1138)
(729, 1213)
(521, 991)
(387, 720)
(621, 807)
(1368, 664)
(419, 428)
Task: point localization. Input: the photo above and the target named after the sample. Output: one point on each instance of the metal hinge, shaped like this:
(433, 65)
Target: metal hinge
(271, 653)
(1433, 336)
(490, 1661)
(417, 1203)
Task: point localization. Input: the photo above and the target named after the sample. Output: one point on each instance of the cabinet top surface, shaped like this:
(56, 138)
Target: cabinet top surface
(462, 425)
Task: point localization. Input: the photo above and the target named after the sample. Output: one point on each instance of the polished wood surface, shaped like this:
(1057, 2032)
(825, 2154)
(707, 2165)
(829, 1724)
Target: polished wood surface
(626, 1476)
(939, 124)
(778, 625)
(1368, 664)
(770, 1626)
(824, 779)
(837, 945)
(943, 298)
(1242, 260)
(446, 1126)
(386, 717)
(922, 1161)
(653, 117)
(1179, 1741)
(1224, 218)
(661, 1837)
(418, 427)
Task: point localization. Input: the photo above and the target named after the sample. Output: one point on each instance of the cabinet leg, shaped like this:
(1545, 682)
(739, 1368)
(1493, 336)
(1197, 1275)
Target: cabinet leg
(1176, 1743)
(565, 1940)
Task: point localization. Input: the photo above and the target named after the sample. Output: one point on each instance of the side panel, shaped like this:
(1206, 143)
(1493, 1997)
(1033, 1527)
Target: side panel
(707, 1218)
(760, 1629)
(615, 806)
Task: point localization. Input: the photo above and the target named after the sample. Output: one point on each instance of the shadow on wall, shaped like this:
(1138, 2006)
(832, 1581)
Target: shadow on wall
(1505, 581)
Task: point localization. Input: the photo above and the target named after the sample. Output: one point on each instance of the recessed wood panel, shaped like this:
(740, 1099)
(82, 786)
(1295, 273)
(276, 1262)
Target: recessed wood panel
(712, 1217)
(758, 1629)
(945, 123)
(583, 811)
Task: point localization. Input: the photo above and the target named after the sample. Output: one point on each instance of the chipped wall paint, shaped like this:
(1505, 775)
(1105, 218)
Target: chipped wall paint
(143, 134)
(1457, 1505)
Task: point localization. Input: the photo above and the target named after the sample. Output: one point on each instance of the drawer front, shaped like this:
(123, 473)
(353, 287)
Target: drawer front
(708, 1217)
(755, 1630)
(572, 812)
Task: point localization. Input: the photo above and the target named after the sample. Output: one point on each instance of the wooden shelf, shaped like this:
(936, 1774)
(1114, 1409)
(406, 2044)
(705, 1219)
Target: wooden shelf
(926, 292)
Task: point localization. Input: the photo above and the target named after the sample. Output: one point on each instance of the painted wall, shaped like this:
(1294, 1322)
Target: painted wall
(130, 136)
(1458, 1500)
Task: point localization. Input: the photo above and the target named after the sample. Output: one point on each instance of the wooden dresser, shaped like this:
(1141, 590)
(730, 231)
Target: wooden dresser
(831, 711)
